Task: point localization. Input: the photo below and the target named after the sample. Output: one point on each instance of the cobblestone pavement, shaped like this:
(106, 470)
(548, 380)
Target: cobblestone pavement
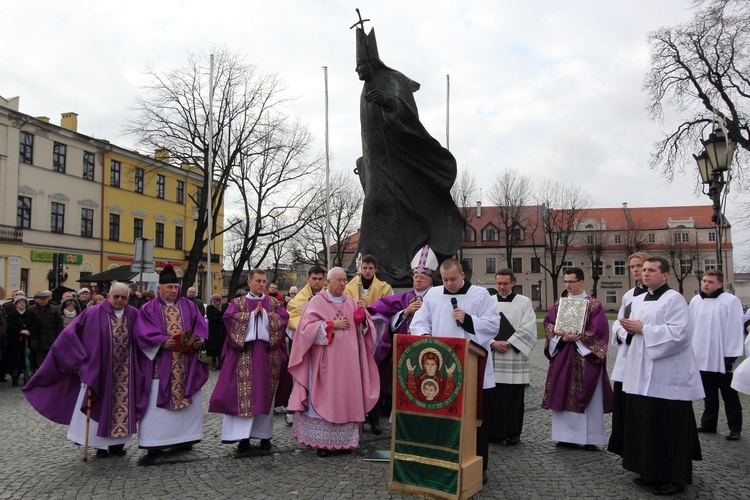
(37, 461)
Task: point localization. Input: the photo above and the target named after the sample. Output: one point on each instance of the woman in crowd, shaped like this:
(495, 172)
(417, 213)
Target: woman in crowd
(20, 326)
(216, 331)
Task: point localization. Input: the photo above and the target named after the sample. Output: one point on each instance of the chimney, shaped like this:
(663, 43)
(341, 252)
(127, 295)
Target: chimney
(627, 214)
(479, 209)
(69, 121)
(162, 154)
(44, 119)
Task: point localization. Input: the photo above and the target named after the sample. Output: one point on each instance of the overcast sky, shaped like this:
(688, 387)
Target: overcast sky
(550, 88)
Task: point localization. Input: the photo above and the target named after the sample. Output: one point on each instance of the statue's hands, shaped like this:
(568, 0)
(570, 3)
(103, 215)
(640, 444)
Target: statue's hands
(380, 98)
(450, 369)
(409, 365)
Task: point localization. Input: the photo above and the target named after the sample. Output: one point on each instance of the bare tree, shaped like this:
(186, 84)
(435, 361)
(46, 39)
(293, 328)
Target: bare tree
(466, 196)
(173, 114)
(700, 69)
(272, 199)
(346, 205)
(595, 241)
(561, 206)
(682, 252)
(510, 193)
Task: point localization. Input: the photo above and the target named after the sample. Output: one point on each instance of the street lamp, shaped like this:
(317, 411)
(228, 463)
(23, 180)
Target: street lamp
(540, 294)
(201, 268)
(712, 162)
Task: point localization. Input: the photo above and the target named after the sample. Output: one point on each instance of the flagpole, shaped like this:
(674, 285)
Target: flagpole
(328, 181)
(447, 111)
(208, 284)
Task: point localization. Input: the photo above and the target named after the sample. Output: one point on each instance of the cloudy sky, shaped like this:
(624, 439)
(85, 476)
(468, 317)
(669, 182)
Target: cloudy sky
(550, 88)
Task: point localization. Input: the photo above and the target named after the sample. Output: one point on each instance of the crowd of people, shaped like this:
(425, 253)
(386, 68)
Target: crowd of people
(133, 364)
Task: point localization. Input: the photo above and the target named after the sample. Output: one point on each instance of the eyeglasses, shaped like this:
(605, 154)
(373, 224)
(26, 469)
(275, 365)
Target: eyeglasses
(120, 297)
(570, 282)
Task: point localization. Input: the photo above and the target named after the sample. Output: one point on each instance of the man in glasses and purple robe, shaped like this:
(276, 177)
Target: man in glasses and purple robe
(95, 353)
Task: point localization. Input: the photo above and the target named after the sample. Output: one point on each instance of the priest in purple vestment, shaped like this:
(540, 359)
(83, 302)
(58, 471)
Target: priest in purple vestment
(253, 359)
(577, 389)
(170, 330)
(336, 377)
(393, 314)
(95, 352)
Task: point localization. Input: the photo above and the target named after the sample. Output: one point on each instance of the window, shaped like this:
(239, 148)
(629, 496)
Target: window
(621, 268)
(618, 239)
(562, 239)
(23, 214)
(470, 234)
(651, 237)
(468, 264)
(137, 229)
(26, 148)
(712, 236)
(160, 186)
(610, 297)
(686, 266)
(589, 239)
(709, 264)
(597, 268)
(178, 237)
(536, 265)
(114, 173)
(57, 219)
(159, 239)
(138, 187)
(490, 234)
(88, 165)
(517, 264)
(536, 292)
(59, 151)
(516, 235)
(681, 237)
(114, 227)
(489, 265)
(566, 264)
(180, 192)
(87, 222)
(518, 289)
(25, 280)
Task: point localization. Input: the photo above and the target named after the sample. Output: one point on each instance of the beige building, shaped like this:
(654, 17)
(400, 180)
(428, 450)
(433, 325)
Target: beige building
(684, 235)
(87, 200)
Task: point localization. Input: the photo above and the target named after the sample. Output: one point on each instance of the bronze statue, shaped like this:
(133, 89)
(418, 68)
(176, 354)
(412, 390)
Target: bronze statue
(405, 173)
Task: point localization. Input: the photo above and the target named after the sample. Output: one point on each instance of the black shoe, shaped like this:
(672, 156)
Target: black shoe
(513, 440)
(323, 453)
(644, 482)
(117, 450)
(102, 453)
(668, 489)
(265, 444)
(243, 446)
(706, 430)
(15, 382)
(734, 436)
(563, 444)
(154, 452)
(590, 447)
(375, 427)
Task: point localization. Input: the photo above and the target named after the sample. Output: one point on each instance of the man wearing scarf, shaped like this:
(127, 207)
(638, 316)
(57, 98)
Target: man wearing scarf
(170, 330)
(253, 359)
(717, 343)
(577, 388)
(95, 352)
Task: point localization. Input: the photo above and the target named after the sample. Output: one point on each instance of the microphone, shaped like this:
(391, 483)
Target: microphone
(454, 303)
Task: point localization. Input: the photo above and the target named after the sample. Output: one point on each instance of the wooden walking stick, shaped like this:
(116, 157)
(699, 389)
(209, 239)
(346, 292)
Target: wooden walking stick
(88, 424)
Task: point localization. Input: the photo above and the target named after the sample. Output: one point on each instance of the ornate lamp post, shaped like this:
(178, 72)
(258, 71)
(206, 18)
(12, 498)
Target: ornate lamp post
(712, 162)
(201, 268)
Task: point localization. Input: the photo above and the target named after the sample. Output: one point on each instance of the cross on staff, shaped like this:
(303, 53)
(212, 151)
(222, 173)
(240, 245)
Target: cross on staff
(361, 21)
